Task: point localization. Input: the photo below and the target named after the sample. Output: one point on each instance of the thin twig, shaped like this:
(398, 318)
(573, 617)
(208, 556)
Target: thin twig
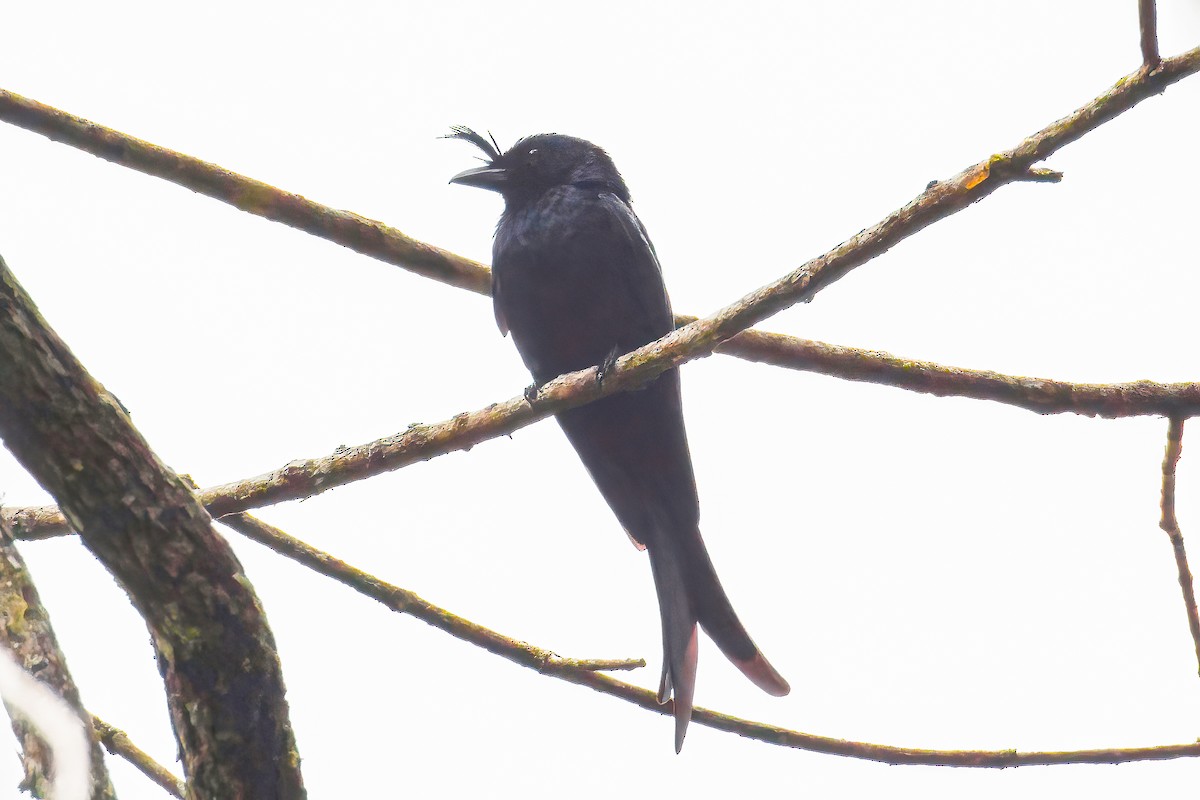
(1170, 524)
(117, 742)
(406, 602)
(603, 664)
(585, 674)
(1148, 22)
(1040, 175)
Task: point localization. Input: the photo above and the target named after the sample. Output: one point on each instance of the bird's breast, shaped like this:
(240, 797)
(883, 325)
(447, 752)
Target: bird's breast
(560, 287)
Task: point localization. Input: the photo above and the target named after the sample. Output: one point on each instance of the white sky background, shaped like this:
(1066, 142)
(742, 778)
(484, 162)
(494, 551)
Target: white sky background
(926, 572)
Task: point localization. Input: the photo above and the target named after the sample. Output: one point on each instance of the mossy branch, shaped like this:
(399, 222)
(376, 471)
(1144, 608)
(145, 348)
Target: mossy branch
(26, 631)
(215, 652)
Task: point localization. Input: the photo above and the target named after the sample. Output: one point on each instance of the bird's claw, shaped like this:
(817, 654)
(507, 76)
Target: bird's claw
(607, 364)
(531, 392)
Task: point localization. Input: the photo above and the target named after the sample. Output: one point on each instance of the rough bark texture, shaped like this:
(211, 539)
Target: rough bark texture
(215, 652)
(25, 630)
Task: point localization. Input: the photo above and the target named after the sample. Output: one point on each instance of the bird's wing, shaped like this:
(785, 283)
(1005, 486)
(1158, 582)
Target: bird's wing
(498, 305)
(643, 283)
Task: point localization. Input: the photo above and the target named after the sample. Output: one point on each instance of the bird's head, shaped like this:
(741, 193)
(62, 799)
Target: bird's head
(536, 164)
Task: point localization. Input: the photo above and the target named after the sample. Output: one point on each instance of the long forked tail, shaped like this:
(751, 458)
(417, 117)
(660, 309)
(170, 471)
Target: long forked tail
(679, 638)
(689, 592)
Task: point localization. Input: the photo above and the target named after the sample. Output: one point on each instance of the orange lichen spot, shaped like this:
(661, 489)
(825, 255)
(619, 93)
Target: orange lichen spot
(980, 175)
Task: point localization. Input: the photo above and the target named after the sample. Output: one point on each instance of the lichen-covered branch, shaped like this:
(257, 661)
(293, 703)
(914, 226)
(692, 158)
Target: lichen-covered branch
(215, 652)
(588, 673)
(406, 602)
(1040, 395)
(1170, 523)
(26, 631)
(117, 742)
(307, 477)
(360, 234)
(938, 201)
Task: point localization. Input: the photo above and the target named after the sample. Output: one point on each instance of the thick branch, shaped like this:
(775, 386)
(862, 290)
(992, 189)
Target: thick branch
(1170, 524)
(26, 631)
(585, 674)
(215, 652)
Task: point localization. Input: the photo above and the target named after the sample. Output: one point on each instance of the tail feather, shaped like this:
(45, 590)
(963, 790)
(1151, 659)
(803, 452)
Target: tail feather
(679, 638)
(715, 614)
(690, 594)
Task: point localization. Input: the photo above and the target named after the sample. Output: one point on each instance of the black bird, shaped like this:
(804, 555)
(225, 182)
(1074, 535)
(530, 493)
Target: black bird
(577, 282)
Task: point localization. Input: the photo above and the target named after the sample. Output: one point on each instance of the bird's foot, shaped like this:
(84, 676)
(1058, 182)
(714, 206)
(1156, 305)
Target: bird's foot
(607, 364)
(531, 392)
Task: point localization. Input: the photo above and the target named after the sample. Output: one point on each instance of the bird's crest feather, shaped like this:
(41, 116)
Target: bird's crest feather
(488, 145)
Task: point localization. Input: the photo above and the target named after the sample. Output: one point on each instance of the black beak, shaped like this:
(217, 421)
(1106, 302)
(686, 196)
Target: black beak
(485, 177)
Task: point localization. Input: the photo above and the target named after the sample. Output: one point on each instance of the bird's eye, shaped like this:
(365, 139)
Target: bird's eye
(534, 150)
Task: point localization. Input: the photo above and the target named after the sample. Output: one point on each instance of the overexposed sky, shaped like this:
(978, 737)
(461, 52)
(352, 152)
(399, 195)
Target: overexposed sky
(926, 572)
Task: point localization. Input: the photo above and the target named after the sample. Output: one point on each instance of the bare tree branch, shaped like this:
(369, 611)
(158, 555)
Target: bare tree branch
(585, 674)
(695, 340)
(350, 230)
(390, 245)
(117, 742)
(406, 602)
(1170, 524)
(26, 631)
(938, 201)
(215, 652)
(307, 477)
(1040, 395)
(1148, 19)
